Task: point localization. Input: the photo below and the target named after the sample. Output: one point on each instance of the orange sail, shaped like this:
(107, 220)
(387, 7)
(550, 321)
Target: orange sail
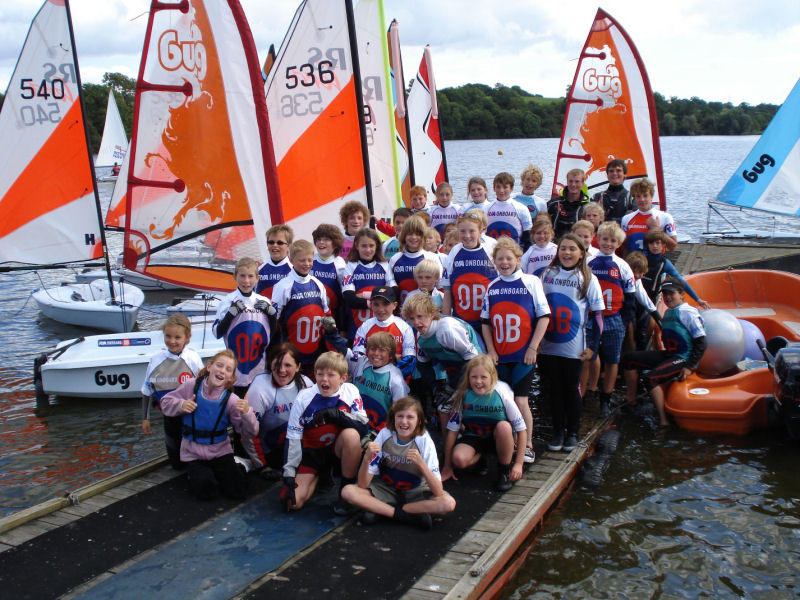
(610, 113)
(199, 160)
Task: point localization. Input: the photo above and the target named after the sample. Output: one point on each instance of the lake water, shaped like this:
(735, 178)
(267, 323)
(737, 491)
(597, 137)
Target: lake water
(676, 516)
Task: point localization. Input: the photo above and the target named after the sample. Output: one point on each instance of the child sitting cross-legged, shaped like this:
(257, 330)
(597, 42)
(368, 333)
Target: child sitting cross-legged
(399, 474)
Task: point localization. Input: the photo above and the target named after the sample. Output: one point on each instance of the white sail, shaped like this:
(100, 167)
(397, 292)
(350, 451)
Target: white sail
(610, 113)
(373, 58)
(312, 98)
(48, 206)
(114, 144)
(427, 141)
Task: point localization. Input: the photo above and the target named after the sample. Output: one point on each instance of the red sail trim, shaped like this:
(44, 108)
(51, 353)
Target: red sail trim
(651, 103)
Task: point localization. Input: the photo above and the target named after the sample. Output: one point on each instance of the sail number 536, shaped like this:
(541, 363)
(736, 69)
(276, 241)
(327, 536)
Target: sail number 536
(307, 75)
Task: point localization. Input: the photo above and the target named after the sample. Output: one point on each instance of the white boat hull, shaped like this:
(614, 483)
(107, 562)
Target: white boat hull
(89, 305)
(112, 365)
(143, 282)
(200, 305)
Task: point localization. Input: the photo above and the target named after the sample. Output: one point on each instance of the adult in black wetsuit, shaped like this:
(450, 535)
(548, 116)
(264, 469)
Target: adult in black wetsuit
(564, 209)
(615, 199)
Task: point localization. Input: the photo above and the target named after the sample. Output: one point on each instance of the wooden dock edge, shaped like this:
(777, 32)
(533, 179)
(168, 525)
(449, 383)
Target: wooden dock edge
(74, 498)
(498, 560)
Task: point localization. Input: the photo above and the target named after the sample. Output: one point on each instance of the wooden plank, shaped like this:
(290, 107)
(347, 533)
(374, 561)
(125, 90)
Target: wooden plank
(34, 512)
(511, 498)
(22, 534)
(118, 493)
(81, 510)
(432, 583)
(415, 594)
(451, 570)
(491, 524)
(4, 547)
(97, 502)
(474, 542)
(493, 559)
(59, 518)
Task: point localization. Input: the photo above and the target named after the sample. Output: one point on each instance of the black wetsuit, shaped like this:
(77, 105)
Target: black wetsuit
(615, 200)
(565, 213)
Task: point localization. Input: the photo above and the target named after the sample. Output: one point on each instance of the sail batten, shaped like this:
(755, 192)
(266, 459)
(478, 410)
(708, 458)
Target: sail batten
(198, 178)
(610, 112)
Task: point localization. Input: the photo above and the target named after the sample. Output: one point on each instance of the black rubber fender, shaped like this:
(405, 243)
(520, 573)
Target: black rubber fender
(608, 442)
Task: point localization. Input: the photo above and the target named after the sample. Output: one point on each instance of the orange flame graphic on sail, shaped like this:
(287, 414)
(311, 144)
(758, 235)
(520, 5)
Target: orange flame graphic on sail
(198, 144)
(609, 131)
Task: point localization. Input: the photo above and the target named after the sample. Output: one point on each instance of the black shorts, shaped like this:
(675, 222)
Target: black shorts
(481, 445)
(316, 460)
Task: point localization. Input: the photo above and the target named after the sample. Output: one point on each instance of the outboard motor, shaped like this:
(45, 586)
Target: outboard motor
(783, 358)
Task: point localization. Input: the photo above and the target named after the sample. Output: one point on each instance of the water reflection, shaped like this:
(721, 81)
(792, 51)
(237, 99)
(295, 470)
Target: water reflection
(677, 516)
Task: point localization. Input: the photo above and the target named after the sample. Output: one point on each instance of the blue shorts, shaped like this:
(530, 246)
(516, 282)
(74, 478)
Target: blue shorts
(611, 339)
(517, 375)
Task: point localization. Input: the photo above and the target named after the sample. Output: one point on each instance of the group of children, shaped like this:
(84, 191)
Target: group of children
(341, 349)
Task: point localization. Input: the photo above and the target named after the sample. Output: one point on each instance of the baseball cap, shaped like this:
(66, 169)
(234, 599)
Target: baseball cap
(670, 285)
(385, 292)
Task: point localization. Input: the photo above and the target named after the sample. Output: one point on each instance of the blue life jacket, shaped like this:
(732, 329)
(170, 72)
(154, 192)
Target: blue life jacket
(208, 423)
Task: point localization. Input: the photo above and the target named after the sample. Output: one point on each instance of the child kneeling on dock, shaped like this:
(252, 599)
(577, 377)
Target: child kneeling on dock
(326, 424)
(486, 409)
(208, 407)
(685, 339)
(408, 486)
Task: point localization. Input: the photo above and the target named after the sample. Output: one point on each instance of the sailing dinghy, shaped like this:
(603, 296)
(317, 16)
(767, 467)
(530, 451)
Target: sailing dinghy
(200, 177)
(198, 188)
(768, 179)
(114, 144)
(51, 160)
(111, 365)
(610, 113)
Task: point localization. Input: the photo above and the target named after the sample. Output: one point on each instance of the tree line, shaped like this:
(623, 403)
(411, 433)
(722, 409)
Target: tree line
(478, 111)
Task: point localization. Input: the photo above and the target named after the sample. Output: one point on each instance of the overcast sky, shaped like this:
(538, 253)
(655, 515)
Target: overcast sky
(723, 50)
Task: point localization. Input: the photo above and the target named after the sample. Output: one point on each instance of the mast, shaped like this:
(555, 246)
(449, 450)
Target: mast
(401, 110)
(362, 126)
(89, 156)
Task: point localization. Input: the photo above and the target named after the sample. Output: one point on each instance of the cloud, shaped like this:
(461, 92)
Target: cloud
(724, 50)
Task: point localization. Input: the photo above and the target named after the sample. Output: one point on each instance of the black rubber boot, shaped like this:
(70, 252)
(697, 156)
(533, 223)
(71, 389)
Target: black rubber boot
(422, 520)
(504, 482)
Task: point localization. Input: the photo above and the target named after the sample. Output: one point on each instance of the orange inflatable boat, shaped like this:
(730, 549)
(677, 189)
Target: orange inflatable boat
(737, 403)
